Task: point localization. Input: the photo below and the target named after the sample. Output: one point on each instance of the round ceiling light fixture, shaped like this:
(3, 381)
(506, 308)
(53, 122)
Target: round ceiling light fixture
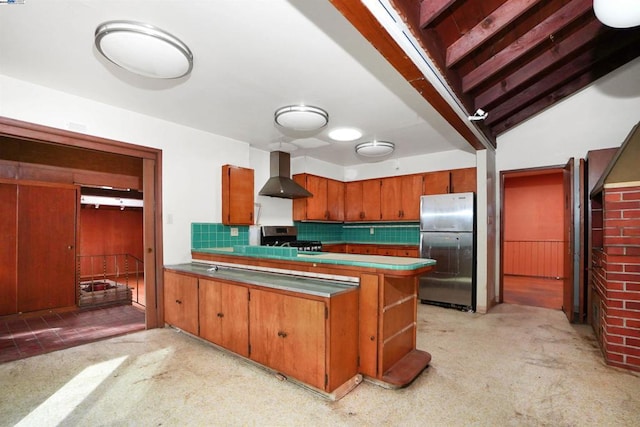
(301, 117)
(618, 13)
(345, 134)
(375, 148)
(143, 49)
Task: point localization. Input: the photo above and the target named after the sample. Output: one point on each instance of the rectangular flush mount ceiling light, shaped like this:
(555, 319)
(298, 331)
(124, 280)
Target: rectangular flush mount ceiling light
(111, 201)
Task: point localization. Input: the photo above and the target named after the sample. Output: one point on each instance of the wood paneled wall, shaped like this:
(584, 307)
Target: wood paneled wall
(110, 231)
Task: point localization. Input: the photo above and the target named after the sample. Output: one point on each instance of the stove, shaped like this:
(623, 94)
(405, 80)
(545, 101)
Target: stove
(287, 235)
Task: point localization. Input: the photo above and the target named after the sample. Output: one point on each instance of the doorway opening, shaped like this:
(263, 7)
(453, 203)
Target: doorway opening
(536, 239)
(111, 249)
(60, 158)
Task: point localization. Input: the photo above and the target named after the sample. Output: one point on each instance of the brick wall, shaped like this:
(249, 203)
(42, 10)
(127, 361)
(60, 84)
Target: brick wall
(616, 278)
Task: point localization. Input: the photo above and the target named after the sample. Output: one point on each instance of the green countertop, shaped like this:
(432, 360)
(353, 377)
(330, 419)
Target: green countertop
(292, 254)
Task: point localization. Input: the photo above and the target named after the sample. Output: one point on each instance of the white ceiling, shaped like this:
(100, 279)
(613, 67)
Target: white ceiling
(250, 58)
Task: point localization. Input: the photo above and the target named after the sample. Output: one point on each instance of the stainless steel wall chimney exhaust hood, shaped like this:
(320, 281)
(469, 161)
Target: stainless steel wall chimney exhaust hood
(280, 184)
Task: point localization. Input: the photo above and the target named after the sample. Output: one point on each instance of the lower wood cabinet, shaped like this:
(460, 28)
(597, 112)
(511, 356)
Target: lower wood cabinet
(309, 338)
(361, 249)
(181, 301)
(335, 248)
(388, 322)
(386, 250)
(224, 315)
(288, 334)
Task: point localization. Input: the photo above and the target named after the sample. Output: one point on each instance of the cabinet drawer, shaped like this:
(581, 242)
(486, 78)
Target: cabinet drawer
(409, 252)
(387, 251)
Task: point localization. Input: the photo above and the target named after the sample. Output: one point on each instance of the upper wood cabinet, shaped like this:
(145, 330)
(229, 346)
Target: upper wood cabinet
(237, 195)
(400, 197)
(362, 200)
(438, 182)
(463, 180)
(381, 199)
(327, 202)
(450, 181)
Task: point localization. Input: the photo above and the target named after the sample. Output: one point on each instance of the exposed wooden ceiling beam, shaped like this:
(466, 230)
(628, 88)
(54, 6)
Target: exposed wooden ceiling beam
(554, 23)
(486, 29)
(542, 87)
(431, 9)
(364, 21)
(620, 52)
(537, 66)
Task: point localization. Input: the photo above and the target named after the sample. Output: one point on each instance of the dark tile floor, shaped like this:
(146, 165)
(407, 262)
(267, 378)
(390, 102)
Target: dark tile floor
(22, 337)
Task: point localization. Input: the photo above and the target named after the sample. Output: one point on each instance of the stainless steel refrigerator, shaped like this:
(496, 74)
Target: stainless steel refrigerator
(447, 234)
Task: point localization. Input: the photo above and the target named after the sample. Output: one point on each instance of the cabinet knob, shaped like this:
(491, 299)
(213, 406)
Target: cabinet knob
(282, 334)
(220, 314)
(178, 301)
(372, 338)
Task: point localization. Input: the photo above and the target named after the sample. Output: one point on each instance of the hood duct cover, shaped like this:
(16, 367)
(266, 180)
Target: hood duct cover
(280, 184)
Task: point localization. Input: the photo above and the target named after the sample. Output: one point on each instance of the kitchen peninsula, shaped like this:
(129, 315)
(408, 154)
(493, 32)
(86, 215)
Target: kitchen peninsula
(362, 321)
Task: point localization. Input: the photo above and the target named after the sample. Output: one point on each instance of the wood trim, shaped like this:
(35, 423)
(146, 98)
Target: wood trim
(152, 201)
(41, 133)
(524, 74)
(362, 19)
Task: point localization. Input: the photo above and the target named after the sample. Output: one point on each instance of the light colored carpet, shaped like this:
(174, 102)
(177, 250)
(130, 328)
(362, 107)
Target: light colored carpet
(516, 366)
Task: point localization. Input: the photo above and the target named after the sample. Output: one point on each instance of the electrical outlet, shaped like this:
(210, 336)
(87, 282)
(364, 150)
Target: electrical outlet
(371, 230)
(234, 231)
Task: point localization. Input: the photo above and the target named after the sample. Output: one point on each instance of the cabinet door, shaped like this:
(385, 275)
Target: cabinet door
(317, 204)
(362, 200)
(8, 249)
(436, 182)
(288, 334)
(237, 195)
(391, 198)
(335, 200)
(463, 180)
(353, 201)
(299, 206)
(371, 200)
(410, 198)
(46, 247)
(181, 301)
(224, 315)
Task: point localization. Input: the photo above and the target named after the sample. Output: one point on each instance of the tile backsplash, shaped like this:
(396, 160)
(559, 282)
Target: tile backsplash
(216, 235)
(388, 232)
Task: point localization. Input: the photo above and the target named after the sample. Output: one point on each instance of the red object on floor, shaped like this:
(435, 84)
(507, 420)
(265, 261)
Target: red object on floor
(22, 337)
